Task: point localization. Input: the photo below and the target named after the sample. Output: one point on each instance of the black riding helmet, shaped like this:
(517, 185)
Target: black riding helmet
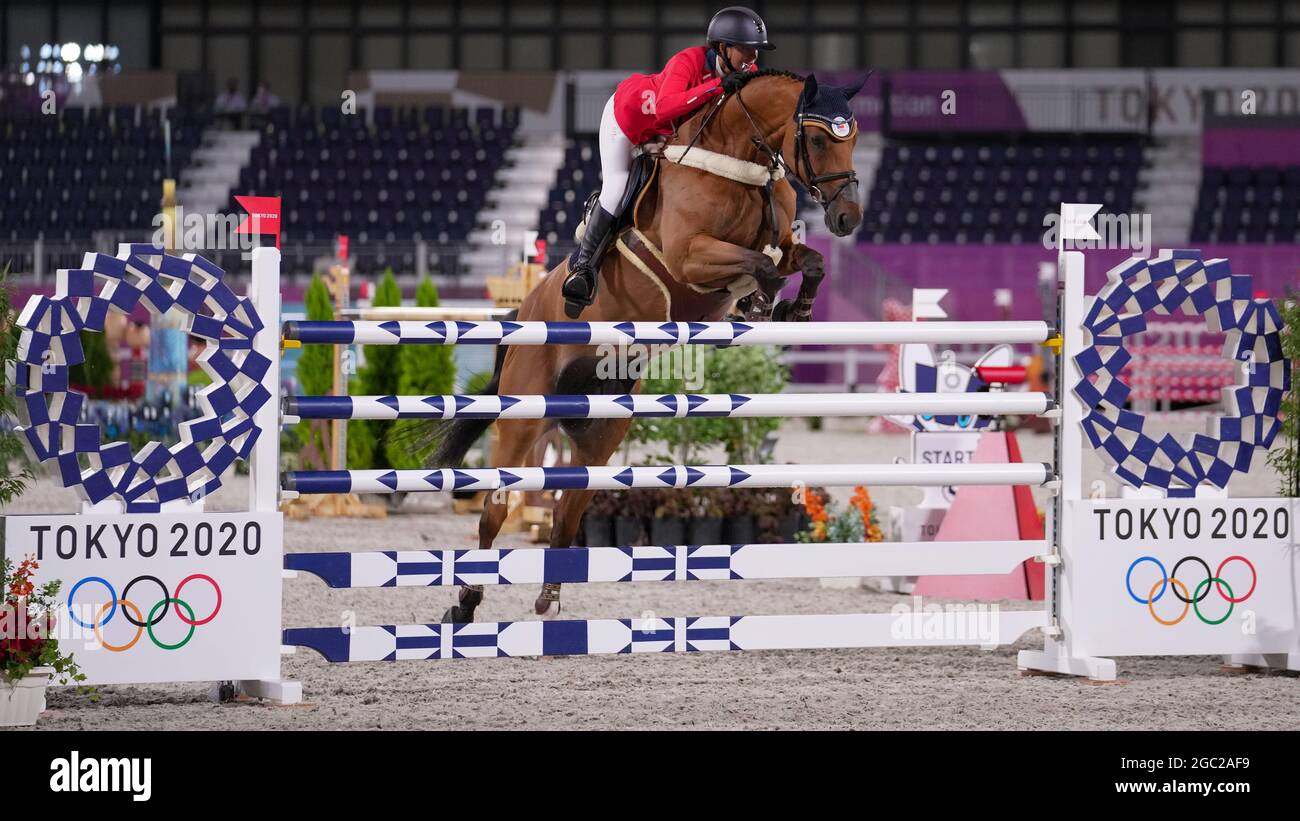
(739, 26)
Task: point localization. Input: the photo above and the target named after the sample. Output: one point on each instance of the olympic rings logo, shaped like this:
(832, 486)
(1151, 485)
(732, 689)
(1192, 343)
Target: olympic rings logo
(1191, 601)
(134, 615)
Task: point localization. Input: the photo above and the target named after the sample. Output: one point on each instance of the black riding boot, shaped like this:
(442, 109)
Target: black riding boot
(584, 266)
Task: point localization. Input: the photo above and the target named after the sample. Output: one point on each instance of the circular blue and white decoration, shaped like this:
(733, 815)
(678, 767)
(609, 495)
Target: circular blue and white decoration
(1172, 281)
(49, 411)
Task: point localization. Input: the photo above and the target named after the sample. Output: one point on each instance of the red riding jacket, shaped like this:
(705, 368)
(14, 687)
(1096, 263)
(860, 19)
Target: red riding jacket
(647, 105)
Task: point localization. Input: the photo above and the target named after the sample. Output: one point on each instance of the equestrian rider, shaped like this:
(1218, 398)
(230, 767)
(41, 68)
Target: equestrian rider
(645, 106)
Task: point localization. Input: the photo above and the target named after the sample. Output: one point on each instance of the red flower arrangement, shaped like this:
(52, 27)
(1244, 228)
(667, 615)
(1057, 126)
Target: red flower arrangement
(27, 625)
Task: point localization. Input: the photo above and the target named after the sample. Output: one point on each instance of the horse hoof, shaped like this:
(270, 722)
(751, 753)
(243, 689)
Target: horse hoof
(547, 608)
(455, 615)
(783, 310)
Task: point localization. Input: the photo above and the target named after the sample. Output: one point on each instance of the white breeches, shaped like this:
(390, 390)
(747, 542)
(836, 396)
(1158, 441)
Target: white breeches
(615, 160)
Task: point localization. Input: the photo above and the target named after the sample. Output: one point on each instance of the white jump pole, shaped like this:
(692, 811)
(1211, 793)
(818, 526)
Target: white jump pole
(348, 332)
(598, 406)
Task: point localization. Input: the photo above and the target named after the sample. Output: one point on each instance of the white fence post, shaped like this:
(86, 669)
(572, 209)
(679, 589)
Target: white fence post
(264, 466)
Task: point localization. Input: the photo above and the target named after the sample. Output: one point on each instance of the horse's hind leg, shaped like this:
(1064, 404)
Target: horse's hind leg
(518, 436)
(594, 441)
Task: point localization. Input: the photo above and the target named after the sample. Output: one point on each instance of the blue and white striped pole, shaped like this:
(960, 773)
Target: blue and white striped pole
(411, 332)
(619, 477)
(663, 563)
(653, 634)
(597, 406)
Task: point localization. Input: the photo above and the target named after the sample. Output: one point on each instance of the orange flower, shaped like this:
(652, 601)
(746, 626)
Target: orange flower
(20, 584)
(862, 502)
(815, 507)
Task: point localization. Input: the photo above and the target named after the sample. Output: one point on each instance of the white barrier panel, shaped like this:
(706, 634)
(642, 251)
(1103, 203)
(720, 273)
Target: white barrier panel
(903, 627)
(660, 563)
(1142, 573)
(153, 597)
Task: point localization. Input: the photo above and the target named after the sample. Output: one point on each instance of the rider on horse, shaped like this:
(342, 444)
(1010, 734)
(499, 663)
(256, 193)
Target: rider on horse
(645, 106)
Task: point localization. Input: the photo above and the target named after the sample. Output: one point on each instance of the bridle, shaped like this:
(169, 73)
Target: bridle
(803, 168)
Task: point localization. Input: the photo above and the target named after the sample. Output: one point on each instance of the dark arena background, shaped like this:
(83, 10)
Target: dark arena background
(957, 176)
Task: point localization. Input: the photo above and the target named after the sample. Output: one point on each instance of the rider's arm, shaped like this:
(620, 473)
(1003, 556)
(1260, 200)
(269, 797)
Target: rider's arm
(675, 96)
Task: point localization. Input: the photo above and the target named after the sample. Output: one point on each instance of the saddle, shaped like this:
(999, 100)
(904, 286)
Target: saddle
(685, 302)
(644, 163)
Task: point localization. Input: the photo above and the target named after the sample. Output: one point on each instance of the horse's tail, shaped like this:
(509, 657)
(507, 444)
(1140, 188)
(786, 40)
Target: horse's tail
(451, 439)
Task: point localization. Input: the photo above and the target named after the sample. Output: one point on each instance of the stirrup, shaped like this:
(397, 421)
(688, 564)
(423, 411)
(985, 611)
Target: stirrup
(573, 306)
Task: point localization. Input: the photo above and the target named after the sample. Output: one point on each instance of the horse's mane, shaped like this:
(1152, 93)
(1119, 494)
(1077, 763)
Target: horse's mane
(748, 78)
(751, 76)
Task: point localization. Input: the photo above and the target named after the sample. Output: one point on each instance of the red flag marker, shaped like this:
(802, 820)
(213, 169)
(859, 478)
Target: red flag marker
(263, 216)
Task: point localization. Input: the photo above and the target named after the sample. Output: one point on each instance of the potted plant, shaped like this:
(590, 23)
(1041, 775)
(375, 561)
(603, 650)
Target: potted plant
(706, 518)
(630, 516)
(29, 653)
(598, 522)
(778, 517)
(739, 511)
(857, 523)
(668, 527)
(796, 517)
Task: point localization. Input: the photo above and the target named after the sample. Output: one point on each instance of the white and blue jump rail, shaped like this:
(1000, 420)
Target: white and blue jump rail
(449, 568)
(639, 406)
(448, 332)
(446, 568)
(443, 332)
(621, 477)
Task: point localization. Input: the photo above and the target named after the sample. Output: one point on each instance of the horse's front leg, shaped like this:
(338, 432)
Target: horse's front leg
(749, 274)
(801, 258)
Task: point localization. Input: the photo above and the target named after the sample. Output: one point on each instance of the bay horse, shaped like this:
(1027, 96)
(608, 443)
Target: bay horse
(721, 210)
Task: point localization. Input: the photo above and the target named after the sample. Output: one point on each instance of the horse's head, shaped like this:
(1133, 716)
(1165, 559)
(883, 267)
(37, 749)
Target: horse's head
(820, 152)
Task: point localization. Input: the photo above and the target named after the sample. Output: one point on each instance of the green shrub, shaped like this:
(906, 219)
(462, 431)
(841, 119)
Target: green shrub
(316, 362)
(379, 377)
(95, 371)
(742, 370)
(1286, 457)
(425, 370)
(15, 467)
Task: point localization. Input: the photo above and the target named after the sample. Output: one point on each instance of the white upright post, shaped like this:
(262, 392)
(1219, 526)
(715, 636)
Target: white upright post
(264, 464)
(264, 467)
(1056, 655)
